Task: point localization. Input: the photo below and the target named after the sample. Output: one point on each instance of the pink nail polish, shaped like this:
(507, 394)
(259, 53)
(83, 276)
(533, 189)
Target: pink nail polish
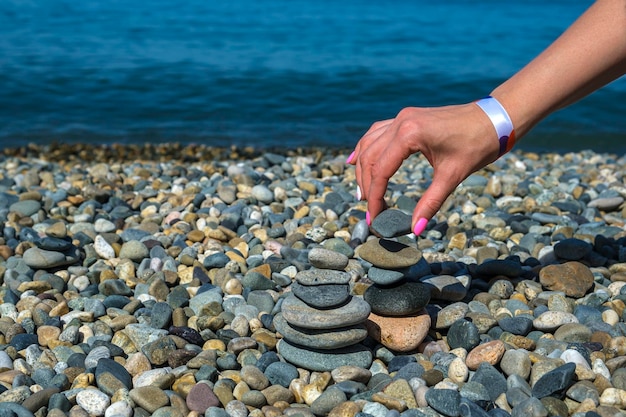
(358, 193)
(350, 158)
(420, 226)
(368, 219)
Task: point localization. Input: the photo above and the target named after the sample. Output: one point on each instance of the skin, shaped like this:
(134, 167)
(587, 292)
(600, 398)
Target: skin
(588, 55)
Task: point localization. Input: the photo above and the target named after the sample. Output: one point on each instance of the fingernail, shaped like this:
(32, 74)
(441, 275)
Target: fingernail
(368, 219)
(420, 226)
(350, 158)
(358, 193)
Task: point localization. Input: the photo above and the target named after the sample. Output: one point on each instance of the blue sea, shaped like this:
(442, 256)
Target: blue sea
(288, 73)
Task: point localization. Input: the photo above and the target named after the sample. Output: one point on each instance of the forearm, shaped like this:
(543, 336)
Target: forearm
(587, 56)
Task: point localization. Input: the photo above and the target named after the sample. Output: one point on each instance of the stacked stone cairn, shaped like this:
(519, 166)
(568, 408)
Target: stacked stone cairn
(321, 323)
(398, 319)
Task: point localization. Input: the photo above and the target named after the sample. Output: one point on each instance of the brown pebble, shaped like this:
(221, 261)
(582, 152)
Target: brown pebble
(183, 385)
(45, 334)
(490, 352)
(600, 337)
(195, 236)
(573, 278)
(6, 252)
(345, 409)
(432, 377)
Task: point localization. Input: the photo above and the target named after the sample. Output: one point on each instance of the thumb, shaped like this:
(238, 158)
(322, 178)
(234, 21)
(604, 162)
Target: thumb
(431, 201)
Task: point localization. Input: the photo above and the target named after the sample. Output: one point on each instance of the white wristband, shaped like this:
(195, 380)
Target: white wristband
(501, 121)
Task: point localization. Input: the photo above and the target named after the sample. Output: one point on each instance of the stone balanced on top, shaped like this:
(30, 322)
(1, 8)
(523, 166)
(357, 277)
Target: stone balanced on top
(320, 321)
(398, 319)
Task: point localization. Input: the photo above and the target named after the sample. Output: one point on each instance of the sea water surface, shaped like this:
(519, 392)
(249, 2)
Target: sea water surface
(286, 73)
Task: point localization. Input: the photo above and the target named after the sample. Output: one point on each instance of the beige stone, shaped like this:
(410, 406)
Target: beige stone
(402, 334)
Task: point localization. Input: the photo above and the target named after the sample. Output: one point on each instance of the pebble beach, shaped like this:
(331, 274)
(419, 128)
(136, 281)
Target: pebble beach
(170, 280)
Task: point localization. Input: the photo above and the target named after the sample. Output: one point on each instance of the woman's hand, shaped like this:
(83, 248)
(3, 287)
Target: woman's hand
(456, 140)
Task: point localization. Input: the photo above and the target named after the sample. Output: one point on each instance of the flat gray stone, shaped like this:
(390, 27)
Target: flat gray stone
(323, 338)
(323, 361)
(327, 259)
(391, 223)
(322, 296)
(26, 207)
(43, 259)
(298, 313)
(315, 276)
(402, 299)
(386, 276)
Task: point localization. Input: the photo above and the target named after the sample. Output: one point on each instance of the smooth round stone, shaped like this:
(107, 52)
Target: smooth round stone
(161, 315)
(23, 340)
(516, 325)
(401, 334)
(93, 401)
(5, 360)
(150, 398)
(385, 276)
(606, 203)
(216, 260)
(449, 314)
(555, 382)
(552, 320)
(572, 249)
(120, 409)
(261, 300)
(111, 376)
(529, 407)
(391, 223)
(197, 302)
(95, 355)
(25, 208)
(323, 361)
(402, 299)
(445, 287)
(39, 399)
(389, 254)
(321, 338)
(445, 401)
(468, 408)
(11, 409)
(327, 401)
(201, 397)
(545, 218)
(464, 334)
(360, 232)
(262, 194)
(134, 250)
(516, 362)
(254, 281)
(573, 332)
(489, 352)
(584, 390)
(297, 313)
(573, 278)
(54, 244)
(338, 245)
(281, 373)
(216, 412)
(327, 259)
(322, 276)
(104, 226)
(103, 248)
(322, 296)
(43, 259)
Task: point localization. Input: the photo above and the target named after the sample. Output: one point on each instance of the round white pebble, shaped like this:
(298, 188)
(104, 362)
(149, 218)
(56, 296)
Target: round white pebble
(93, 401)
